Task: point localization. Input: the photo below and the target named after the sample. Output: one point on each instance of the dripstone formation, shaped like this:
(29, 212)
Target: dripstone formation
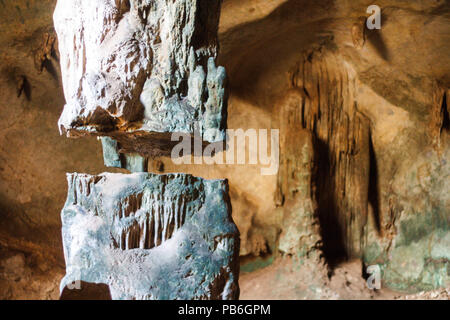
(140, 70)
(134, 73)
(149, 236)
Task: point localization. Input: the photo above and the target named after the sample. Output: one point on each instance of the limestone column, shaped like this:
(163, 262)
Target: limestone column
(134, 73)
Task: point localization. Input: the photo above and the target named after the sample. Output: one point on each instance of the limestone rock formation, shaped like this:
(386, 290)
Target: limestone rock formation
(371, 104)
(375, 103)
(134, 72)
(413, 246)
(140, 70)
(323, 95)
(295, 195)
(146, 236)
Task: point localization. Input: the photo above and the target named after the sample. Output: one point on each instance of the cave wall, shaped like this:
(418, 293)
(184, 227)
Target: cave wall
(375, 117)
(376, 109)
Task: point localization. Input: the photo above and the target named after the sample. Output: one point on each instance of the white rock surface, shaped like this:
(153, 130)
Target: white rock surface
(141, 67)
(146, 236)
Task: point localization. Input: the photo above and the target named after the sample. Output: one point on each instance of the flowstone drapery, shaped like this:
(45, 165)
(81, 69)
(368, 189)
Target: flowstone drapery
(134, 73)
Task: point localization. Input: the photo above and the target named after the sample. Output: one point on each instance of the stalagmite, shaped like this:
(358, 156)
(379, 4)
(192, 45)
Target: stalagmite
(147, 236)
(324, 97)
(295, 187)
(134, 73)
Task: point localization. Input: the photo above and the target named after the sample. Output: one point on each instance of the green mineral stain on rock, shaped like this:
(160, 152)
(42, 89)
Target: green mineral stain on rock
(111, 156)
(259, 263)
(421, 225)
(135, 163)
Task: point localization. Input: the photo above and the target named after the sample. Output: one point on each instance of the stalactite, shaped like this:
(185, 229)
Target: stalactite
(327, 108)
(301, 231)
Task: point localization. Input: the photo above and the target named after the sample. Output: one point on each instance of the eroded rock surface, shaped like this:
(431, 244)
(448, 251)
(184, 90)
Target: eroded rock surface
(140, 70)
(149, 236)
(399, 76)
(295, 194)
(375, 104)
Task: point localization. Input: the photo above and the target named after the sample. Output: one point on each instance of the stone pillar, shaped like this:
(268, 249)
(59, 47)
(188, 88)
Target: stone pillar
(148, 236)
(134, 73)
(295, 194)
(139, 71)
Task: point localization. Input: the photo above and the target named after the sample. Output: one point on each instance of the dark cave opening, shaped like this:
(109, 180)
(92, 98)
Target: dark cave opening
(374, 196)
(445, 115)
(331, 229)
(86, 291)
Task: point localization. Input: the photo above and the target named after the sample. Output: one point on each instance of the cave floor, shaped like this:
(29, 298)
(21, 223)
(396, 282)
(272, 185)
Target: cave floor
(345, 283)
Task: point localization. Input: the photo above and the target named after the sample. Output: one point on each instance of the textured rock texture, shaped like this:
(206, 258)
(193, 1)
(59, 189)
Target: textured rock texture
(133, 73)
(322, 95)
(140, 70)
(375, 103)
(28, 271)
(146, 236)
(34, 158)
(396, 78)
(300, 234)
